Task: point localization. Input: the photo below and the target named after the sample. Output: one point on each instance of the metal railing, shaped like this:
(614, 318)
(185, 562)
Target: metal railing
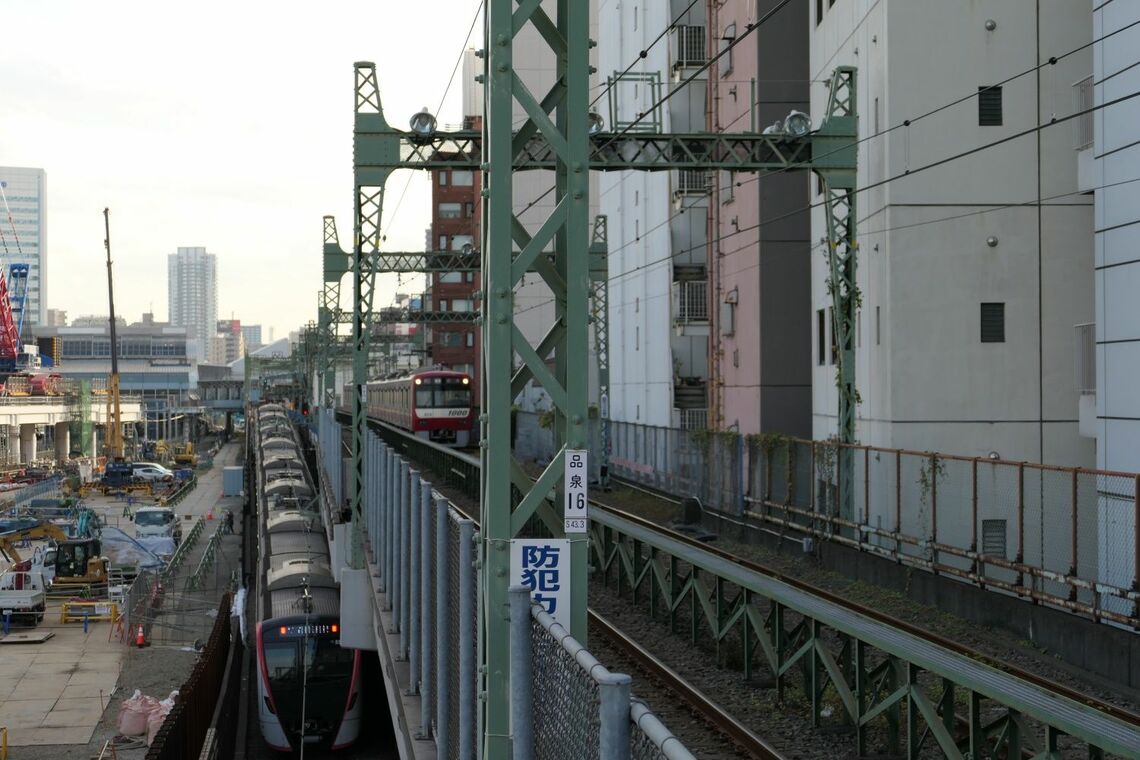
(693, 182)
(694, 419)
(1084, 97)
(690, 302)
(421, 553)
(689, 48)
(1086, 358)
(1062, 536)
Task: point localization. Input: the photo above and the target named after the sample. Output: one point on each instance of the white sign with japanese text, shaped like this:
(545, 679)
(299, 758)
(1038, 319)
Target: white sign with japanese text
(577, 475)
(543, 565)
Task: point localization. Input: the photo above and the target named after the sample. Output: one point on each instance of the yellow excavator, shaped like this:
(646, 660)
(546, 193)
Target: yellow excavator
(78, 561)
(184, 454)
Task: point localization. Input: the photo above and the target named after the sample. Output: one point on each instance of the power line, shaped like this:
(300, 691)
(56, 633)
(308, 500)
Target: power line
(458, 61)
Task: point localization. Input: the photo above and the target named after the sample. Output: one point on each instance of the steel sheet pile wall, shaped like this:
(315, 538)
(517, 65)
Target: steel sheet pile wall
(422, 555)
(184, 730)
(1067, 537)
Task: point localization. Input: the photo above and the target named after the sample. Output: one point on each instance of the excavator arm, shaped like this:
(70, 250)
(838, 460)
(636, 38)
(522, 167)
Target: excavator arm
(45, 530)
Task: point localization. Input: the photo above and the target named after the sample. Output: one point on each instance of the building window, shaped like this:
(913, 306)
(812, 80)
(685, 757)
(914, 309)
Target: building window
(462, 177)
(443, 242)
(989, 106)
(450, 278)
(728, 186)
(458, 241)
(821, 334)
(443, 178)
(449, 210)
(818, 11)
(726, 41)
(470, 340)
(834, 337)
(993, 323)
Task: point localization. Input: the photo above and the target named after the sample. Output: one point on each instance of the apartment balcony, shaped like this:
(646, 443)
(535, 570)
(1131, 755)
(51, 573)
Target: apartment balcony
(1084, 98)
(690, 184)
(689, 49)
(691, 308)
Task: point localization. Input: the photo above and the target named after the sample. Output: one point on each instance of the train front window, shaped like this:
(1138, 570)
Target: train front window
(281, 663)
(454, 397)
(327, 660)
(424, 397)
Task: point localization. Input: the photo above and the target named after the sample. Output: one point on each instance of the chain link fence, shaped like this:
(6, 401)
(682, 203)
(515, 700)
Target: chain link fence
(1067, 537)
(568, 713)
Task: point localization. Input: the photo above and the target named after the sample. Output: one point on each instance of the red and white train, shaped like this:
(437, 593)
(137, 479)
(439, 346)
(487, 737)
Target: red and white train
(433, 404)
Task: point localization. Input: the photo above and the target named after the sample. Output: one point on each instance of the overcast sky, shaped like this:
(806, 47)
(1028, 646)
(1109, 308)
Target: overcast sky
(219, 124)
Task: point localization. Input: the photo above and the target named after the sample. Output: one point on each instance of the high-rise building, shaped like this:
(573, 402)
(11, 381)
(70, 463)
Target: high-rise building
(56, 318)
(193, 287)
(25, 238)
(455, 227)
(658, 221)
(252, 335)
(971, 272)
(760, 274)
(1108, 344)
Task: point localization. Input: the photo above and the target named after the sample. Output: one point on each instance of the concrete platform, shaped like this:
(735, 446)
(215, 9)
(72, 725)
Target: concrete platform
(54, 693)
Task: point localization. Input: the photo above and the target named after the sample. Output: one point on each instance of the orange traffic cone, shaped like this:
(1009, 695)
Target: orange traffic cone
(210, 514)
(140, 638)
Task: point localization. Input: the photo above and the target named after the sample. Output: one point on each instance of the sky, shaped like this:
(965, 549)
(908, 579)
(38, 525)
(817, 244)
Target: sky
(219, 124)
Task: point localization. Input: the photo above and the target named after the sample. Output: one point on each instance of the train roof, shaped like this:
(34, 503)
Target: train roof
(278, 442)
(425, 373)
(293, 571)
(301, 543)
(292, 520)
(288, 487)
(288, 601)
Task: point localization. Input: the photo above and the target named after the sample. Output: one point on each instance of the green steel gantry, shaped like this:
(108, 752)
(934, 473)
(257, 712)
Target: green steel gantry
(561, 143)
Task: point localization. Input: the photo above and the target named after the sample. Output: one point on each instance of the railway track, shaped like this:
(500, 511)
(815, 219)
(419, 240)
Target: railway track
(652, 678)
(1029, 676)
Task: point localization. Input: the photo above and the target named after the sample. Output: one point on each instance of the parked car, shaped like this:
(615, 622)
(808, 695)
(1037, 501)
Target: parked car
(151, 471)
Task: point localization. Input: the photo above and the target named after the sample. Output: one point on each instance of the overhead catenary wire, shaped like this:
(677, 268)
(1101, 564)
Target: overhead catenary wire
(906, 122)
(446, 90)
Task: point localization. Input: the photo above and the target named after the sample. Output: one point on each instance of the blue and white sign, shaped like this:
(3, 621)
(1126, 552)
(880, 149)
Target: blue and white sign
(576, 475)
(543, 565)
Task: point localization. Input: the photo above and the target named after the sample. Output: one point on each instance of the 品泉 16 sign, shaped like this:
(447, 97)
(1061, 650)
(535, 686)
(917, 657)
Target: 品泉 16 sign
(574, 512)
(543, 565)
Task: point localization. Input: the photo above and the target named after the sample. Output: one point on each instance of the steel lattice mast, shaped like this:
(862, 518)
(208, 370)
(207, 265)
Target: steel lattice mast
(562, 144)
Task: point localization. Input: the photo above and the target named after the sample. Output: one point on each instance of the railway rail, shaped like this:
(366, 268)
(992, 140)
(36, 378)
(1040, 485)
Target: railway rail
(905, 651)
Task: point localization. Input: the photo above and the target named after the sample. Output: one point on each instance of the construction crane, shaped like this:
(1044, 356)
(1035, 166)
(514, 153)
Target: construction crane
(114, 445)
(14, 356)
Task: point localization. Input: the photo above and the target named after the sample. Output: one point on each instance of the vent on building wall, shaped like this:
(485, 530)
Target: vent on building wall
(989, 106)
(993, 323)
(993, 538)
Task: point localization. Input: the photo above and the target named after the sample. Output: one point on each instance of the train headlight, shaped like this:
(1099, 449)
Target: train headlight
(466, 380)
(418, 381)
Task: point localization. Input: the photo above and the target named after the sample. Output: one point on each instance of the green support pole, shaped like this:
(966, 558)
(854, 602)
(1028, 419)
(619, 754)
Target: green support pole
(369, 181)
(599, 313)
(336, 264)
(562, 145)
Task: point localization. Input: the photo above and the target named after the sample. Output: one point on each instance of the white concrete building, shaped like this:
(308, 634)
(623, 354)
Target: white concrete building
(192, 284)
(1110, 161)
(25, 191)
(658, 236)
(973, 273)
